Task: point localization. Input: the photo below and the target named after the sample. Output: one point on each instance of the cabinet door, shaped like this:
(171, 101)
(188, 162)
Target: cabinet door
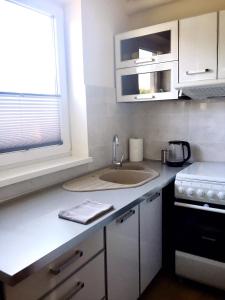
(198, 48)
(150, 238)
(147, 83)
(221, 58)
(123, 257)
(153, 44)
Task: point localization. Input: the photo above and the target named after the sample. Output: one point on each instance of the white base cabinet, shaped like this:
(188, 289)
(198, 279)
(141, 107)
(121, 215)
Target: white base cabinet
(150, 239)
(122, 246)
(134, 249)
(48, 278)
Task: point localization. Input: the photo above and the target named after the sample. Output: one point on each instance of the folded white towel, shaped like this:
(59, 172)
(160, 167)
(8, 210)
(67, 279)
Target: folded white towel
(85, 212)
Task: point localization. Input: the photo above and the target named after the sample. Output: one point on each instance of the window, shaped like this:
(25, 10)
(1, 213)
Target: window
(33, 108)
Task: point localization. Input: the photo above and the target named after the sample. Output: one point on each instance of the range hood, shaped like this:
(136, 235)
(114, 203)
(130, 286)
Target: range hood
(201, 90)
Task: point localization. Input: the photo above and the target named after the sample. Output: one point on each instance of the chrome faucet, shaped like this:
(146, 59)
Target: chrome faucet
(115, 162)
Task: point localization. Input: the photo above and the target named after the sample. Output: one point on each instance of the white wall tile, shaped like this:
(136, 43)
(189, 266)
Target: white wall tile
(202, 123)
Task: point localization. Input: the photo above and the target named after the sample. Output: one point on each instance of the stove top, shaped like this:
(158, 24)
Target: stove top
(202, 181)
(204, 171)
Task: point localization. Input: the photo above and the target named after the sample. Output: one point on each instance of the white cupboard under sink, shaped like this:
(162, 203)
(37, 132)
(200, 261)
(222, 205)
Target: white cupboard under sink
(150, 239)
(221, 48)
(198, 48)
(122, 244)
(134, 248)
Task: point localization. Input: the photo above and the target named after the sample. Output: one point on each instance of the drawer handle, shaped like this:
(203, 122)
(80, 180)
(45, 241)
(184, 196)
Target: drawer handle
(58, 269)
(126, 216)
(194, 72)
(153, 197)
(142, 98)
(144, 61)
(78, 286)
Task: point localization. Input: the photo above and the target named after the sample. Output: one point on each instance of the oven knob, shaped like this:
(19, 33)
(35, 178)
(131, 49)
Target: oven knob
(221, 195)
(180, 190)
(200, 193)
(210, 194)
(190, 192)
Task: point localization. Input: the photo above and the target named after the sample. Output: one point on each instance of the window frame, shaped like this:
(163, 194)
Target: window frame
(47, 152)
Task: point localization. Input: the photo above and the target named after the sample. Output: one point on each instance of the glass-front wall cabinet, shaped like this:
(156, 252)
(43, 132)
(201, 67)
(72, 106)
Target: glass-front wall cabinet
(154, 44)
(145, 83)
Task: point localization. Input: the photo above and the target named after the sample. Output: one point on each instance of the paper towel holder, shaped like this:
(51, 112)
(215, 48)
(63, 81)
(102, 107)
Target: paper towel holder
(135, 149)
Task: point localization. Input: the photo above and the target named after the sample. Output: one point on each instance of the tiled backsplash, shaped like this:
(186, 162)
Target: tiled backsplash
(202, 123)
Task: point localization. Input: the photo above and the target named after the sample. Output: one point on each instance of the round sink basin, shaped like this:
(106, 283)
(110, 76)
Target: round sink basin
(127, 176)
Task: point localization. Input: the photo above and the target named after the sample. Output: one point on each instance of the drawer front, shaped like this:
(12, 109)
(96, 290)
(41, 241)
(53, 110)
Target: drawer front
(46, 279)
(86, 284)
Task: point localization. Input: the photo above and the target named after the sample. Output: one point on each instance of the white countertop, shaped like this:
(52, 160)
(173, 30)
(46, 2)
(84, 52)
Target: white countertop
(32, 235)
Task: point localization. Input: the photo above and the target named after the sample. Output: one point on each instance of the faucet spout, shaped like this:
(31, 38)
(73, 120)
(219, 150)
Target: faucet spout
(115, 162)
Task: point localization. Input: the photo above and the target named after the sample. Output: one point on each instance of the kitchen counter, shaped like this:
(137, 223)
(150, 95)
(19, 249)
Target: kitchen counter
(32, 235)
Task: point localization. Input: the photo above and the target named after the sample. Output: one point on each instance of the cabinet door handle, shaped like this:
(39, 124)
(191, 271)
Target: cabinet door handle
(78, 286)
(125, 216)
(206, 238)
(198, 207)
(142, 98)
(194, 72)
(144, 60)
(58, 269)
(152, 198)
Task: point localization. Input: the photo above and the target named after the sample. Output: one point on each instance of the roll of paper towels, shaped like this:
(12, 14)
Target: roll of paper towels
(135, 149)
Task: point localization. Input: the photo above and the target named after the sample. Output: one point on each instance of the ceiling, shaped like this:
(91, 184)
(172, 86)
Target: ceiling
(134, 6)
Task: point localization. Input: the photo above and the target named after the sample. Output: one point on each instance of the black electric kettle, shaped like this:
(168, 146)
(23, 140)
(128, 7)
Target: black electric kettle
(178, 152)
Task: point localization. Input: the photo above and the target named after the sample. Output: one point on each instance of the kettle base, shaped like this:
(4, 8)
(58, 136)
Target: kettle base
(175, 164)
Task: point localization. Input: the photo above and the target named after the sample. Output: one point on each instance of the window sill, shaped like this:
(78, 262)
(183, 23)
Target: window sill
(19, 174)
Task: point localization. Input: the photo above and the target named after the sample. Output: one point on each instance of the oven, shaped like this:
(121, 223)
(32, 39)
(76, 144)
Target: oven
(199, 236)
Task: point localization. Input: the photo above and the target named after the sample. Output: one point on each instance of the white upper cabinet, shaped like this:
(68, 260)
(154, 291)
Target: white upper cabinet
(147, 83)
(198, 48)
(221, 48)
(153, 44)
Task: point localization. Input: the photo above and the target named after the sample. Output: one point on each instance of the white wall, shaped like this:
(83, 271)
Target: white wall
(102, 19)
